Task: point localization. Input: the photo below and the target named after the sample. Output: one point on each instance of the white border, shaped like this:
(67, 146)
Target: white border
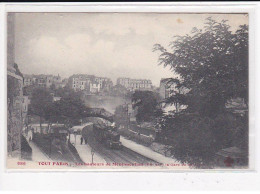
(133, 180)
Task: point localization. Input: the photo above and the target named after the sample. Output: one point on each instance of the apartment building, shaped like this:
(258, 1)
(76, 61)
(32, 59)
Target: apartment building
(89, 83)
(42, 81)
(135, 84)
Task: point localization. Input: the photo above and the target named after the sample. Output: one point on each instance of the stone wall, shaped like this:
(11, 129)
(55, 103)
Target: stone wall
(14, 93)
(14, 112)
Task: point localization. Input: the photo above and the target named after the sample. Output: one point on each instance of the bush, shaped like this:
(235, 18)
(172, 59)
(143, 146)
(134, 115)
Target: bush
(196, 139)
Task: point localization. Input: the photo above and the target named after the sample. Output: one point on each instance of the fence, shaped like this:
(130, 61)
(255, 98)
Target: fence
(138, 137)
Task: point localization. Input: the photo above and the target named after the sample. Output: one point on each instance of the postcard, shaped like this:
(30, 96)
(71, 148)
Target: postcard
(127, 91)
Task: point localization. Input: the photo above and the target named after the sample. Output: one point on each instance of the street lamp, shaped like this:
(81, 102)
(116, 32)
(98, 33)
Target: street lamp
(92, 154)
(50, 136)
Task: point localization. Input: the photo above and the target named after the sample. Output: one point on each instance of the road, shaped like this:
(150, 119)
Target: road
(123, 155)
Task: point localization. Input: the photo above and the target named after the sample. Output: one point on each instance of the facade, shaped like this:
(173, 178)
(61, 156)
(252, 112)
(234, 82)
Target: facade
(64, 82)
(89, 83)
(94, 87)
(56, 98)
(166, 90)
(28, 80)
(80, 82)
(43, 81)
(135, 84)
(53, 80)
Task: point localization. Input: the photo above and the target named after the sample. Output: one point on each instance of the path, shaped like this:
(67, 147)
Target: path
(84, 151)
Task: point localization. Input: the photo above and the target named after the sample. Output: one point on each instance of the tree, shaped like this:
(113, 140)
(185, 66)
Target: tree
(69, 110)
(52, 87)
(119, 90)
(212, 63)
(121, 115)
(147, 105)
(41, 99)
(177, 95)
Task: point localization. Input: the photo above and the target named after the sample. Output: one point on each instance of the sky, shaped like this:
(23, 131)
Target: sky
(103, 44)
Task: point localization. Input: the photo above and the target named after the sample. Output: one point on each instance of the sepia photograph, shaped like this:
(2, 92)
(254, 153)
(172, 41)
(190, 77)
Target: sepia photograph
(127, 91)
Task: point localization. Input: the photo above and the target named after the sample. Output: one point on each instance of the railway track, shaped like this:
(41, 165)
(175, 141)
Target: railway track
(123, 155)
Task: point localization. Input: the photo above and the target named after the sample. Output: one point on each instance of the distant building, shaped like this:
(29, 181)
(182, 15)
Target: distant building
(64, 82)
(166, 89)
(89, 83)
(53, 80)
(94, 87)
(135, 84)
(80, 82)
(56, 98)
(43, 81)
(28, 80)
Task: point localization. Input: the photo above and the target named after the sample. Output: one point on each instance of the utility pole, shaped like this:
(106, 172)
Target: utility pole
(92, 154)
(127, 123)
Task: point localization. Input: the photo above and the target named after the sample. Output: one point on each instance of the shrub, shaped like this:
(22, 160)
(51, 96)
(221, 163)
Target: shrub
(196, 139)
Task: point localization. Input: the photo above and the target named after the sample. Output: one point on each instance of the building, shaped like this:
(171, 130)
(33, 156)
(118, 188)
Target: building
(28, 80)
(56, 98)
(89, 83)
(80, 82)
(40, 81)
(43, 81)
(94, 87)
(52, 80)
(64, 82)
(166, 89)
(135, 84)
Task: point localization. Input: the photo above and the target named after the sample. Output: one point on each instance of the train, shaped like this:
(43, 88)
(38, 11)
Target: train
(107, 135)
(103, 133)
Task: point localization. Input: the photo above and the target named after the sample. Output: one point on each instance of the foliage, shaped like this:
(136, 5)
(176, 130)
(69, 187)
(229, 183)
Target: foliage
(196, 139)
(177, 94)
(17, 70)
(212, 63)
(119, 90)
(68, 110)
(40, 100)
(121, 115)
(146, 103)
